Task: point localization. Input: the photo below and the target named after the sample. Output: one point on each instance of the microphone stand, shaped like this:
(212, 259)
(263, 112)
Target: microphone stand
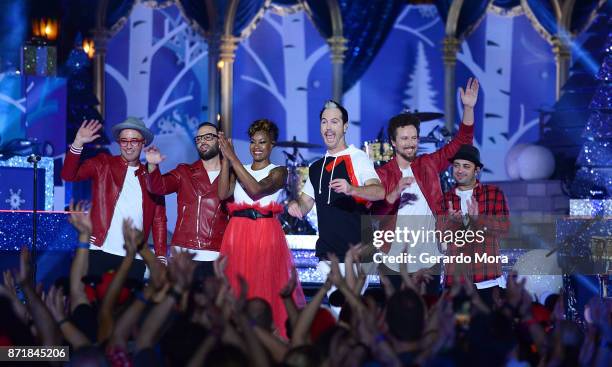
(34, 159)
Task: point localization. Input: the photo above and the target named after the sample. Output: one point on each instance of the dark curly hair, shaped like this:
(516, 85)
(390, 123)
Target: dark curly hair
(266, 126)
(401, 120)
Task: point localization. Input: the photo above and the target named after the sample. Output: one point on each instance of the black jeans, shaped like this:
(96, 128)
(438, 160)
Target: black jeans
(101, 262)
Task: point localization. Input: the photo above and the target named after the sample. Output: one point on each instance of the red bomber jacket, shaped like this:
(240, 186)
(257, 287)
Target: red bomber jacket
(108, 174)
(202, 217)
(426, 169)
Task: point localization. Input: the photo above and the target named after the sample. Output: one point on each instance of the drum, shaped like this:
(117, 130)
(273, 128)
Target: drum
(379, 151)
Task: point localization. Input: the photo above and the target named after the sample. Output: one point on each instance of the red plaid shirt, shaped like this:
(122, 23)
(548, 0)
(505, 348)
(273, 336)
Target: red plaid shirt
(492, 215)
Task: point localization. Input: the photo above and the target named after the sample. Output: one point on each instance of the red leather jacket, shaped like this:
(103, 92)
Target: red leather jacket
(202, 217)
(108, 174)
(426, 169)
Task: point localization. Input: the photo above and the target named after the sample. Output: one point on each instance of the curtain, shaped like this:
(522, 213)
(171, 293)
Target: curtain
(366, 25)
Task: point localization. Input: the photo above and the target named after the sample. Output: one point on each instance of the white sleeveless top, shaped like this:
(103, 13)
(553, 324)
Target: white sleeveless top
(241, 196)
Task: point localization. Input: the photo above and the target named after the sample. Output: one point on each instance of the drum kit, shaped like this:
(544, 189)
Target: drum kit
(379, 151)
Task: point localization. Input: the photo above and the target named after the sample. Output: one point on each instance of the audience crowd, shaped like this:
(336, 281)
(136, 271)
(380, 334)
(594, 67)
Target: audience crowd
(178, 320)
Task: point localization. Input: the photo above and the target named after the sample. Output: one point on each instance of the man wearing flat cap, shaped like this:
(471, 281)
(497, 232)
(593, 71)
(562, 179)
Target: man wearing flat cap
(476, 206)
(118, 193)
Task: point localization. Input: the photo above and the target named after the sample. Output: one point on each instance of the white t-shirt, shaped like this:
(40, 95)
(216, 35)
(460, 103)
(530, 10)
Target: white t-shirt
(129, 205)
(205, 255)
(212, 175)
(465, 196)
(362, 166)
(417, 205)
(415, 214)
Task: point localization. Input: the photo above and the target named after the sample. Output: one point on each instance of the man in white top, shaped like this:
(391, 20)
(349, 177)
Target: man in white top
(413, 191)
(341, 184)
(118, 193)
(202, 216)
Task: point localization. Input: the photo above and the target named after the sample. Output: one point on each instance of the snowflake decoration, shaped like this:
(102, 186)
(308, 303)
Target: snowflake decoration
(15, 199)
(428, 11)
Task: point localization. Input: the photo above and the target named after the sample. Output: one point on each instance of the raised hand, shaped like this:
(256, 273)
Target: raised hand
(219, 266)
(133, 237)
(402, 183)
(56, 302)
(80, 219)
(472, 206)
(24, 277)
(293, 208)
(454, 214)
(516, 292)
(180, 269)
(227, 148)
(335, 276)
(153, 155)
(8, 288)
(469, 96)
(288, 289)
(87, 133)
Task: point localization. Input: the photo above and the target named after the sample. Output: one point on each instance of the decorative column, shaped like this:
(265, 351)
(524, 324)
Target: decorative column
(450, 48)
(227, 57)
(562, 61)
(337, 45)
(100, 42)
(214, 41)
(101, 36)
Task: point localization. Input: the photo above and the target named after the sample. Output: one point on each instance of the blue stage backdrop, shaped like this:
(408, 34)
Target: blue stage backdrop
(157, 70)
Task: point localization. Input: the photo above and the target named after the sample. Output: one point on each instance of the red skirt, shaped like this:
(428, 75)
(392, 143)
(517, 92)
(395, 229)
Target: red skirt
(258, 251)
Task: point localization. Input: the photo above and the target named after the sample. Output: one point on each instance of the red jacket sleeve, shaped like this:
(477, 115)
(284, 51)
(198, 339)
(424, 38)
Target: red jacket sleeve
(465, 135)
(382, 207)
(75, 170)
(162, 184)
(160, 227)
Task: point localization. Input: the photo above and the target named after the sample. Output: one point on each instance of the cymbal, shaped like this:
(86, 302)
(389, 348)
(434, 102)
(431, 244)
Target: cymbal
(428, 116)
(296, 144)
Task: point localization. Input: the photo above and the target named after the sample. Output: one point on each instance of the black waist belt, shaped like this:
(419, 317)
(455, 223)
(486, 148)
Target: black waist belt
(251, 214)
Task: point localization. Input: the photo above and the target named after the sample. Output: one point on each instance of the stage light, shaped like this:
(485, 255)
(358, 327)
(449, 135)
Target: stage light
(89, 47)
(220, 64)
(45, 28)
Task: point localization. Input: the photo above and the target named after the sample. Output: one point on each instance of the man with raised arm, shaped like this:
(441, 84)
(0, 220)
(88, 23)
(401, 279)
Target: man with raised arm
(202, 216)
(413, 194)
(118, 192)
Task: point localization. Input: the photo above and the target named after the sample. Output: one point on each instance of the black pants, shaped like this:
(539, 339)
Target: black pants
(101, 262)
(204, 269)
(486, 295)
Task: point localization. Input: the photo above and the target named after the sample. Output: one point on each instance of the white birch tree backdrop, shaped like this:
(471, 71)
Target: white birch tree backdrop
(156, 70)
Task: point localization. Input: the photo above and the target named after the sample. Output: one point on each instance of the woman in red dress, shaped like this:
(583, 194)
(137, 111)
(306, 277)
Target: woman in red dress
(254, 242)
